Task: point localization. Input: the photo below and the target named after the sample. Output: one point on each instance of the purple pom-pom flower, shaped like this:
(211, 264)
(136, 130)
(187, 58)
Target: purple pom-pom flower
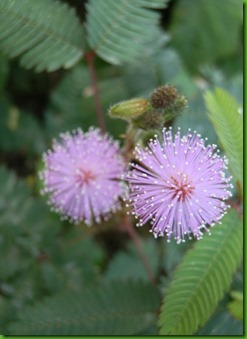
(179, 185)
(82, 175)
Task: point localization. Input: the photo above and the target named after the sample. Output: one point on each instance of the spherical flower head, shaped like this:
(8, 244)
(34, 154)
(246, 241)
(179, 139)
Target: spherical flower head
(82, 176)
(179, 185)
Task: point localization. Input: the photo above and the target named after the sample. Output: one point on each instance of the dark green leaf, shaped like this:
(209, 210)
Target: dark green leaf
(115, 309)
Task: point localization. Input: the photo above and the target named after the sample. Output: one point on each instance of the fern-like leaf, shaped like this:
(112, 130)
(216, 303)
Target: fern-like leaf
(46, 34)
(228, 124)
(119, 31)
(235, 307)
(201, 279)
(115, 309)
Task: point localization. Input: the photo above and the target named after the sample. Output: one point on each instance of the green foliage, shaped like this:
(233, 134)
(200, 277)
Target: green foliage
(60, 278)
(235, 307)
(127, 265)
(119, 307)
(201, 279)
(35, 259)
(3, 71)
(25, 224)
(26, 229)
(228, 123)
(206, 31)
(72, 102)
(17, 129)
(46, 34)
(222, 323)
(120, 31)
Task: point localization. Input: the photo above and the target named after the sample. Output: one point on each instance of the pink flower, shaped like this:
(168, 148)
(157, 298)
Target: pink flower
(179, 185)
(82, 176)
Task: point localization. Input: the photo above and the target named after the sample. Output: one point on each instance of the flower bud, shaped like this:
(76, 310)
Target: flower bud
(163, 97)
(151, 119)
(180, 104)
(129, 109)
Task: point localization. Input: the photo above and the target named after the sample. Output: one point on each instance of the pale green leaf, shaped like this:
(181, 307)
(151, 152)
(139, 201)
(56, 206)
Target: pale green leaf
(235, 307)
(225, 115)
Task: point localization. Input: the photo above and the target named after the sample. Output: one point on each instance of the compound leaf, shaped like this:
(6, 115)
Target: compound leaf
(119, 31)
(201, 279)
(114, 309)
(228, 123)
(46, 34)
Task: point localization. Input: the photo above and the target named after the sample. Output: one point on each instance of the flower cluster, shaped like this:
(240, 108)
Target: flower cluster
(81, 176)
(179, 185)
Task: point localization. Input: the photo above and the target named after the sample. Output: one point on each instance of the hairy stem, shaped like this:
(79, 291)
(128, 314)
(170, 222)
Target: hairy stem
(100, 116)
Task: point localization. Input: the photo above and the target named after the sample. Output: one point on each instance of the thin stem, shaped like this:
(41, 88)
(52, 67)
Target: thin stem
(127, 222)
(136, 240)
(100, 116)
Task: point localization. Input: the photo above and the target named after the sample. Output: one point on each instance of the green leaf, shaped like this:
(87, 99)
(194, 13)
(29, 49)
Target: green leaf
(163, 67)
(201, 279)
(235, 307)
(205, 30)
(120, 31)
(26, 224)
(3, 71)
(115, 309)
(222, 323)
(74, 262)
(127, 265)
(228, 123)
(5, 313)
(72, 102)
(17, 130)
(195, 118)
(46, 34)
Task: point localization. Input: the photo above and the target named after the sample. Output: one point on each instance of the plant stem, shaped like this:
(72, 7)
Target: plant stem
(100, 115)
(127, 222)
(136, 240)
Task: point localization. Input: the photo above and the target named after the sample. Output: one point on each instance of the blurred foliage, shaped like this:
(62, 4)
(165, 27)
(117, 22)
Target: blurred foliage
(192, 33)
(119, 307)
(235, 307)
(58, 278)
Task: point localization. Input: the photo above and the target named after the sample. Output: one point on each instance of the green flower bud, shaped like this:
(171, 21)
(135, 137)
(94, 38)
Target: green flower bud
(178, 106)
(151, 119)
(129, 109)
